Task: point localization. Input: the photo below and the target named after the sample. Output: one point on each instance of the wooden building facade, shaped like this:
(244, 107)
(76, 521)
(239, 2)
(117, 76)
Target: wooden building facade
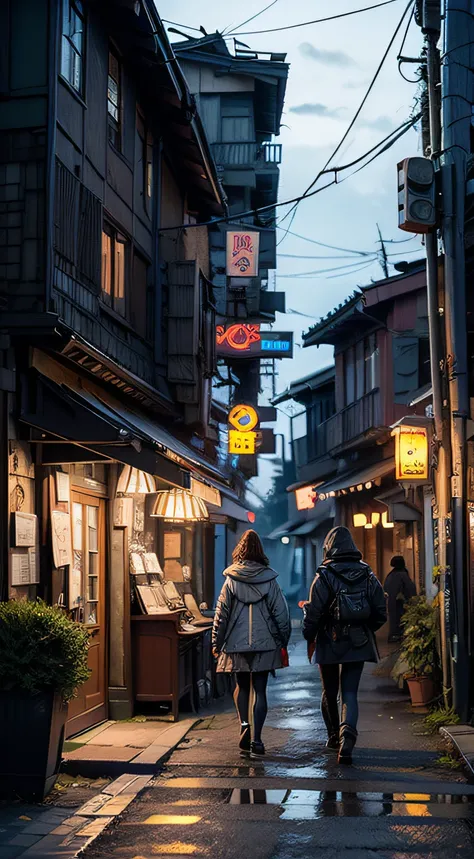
(107, 332)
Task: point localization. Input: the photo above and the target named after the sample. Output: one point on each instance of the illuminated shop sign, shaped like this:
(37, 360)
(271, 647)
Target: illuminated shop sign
(246, 340)
(242, 421)
(305, 497)
(242, 254)
(411, 453)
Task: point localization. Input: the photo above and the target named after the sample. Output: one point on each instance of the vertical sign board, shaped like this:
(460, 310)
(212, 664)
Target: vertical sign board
(411, 453)
(246, 340)
(242, 254)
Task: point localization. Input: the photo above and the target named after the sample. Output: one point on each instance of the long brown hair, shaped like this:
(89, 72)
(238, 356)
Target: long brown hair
(249, 548)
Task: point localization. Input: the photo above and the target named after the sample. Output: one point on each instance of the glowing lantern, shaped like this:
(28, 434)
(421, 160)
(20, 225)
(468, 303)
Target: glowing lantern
(411, 453)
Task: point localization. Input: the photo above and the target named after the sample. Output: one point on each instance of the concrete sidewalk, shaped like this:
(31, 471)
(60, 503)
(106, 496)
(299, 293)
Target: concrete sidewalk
(114, 748)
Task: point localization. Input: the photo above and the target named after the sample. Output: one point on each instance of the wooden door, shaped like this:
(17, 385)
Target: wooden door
(88, 524)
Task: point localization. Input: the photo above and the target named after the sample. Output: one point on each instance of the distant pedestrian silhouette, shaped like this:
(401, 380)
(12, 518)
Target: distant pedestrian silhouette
(399, 588)
(251, 627)
(346, 606)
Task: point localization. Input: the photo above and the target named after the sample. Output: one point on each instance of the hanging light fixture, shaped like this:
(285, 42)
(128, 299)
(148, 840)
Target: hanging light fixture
(132, 481)
(178, 505)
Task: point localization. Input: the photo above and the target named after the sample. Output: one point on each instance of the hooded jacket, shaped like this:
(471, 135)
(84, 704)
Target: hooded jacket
(343, 570)
(251, 615)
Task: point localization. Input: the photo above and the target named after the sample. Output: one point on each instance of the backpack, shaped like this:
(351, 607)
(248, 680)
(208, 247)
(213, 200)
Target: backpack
(350, 607)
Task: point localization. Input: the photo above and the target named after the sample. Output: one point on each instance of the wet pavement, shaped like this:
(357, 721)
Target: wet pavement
(396, 801)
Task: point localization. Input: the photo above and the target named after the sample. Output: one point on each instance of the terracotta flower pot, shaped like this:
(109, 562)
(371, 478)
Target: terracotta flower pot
(422, 690)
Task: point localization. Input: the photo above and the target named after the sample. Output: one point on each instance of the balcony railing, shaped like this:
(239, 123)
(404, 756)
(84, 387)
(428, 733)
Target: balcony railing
(348, 424)
(246, 154)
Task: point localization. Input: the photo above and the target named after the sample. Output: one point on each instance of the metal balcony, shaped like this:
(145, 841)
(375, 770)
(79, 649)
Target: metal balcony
(247, 154)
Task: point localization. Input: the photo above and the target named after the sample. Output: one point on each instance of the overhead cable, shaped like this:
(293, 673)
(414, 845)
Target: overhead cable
(316, 21)
(270, 207)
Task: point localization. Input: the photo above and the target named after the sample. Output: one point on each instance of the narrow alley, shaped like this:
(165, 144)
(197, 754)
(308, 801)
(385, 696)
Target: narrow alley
(397, 800)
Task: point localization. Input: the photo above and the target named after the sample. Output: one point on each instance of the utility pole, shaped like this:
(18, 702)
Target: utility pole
(384, 258)
(431, 26)
(456, 79)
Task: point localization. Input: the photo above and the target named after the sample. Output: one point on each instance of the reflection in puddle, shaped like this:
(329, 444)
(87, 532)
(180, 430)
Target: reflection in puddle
(314, 804)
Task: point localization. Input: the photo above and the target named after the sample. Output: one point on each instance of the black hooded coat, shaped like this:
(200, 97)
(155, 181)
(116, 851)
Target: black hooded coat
(343, 571)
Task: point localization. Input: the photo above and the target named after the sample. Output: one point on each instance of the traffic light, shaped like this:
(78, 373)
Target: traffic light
(416, 195)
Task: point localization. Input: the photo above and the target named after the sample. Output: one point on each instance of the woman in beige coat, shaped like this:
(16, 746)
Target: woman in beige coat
(251, 626)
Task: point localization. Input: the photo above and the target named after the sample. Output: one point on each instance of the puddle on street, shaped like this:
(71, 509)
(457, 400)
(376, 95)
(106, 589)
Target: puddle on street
(315, 804)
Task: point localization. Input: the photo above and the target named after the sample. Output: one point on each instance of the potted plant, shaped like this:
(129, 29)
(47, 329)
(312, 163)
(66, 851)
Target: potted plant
(43, 660)
(418, 649)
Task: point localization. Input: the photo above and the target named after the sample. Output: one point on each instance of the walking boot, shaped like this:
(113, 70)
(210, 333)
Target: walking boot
(347, 741)
(257, 749)
(244, 742)
(333, 741)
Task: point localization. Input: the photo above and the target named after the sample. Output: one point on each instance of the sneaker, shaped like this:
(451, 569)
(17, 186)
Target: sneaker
(244, 742)
(348, 737)
(333, 742)
(257, 749)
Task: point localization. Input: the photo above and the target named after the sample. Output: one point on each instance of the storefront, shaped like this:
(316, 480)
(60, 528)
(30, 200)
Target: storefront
(111, 520)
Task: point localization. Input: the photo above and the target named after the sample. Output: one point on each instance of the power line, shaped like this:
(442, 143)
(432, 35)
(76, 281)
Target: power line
(270, 207)
(357, 113)
(325, 270)
(316, 21)
(257, 15)
(185, 26)
(310, 256)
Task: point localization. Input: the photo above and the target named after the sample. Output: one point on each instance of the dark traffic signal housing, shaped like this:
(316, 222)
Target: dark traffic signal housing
(416, 195)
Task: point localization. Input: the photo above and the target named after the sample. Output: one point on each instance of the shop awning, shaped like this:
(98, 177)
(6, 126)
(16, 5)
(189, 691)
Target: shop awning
(231, 508)
(285, 529)
(120, 431)
(357, 478)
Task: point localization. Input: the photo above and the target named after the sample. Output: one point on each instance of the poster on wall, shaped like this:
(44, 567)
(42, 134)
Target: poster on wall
(172, 544)
(24, 529)
(61, 538)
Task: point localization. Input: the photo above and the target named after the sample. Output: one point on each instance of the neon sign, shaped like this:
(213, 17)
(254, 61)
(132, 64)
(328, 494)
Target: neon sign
(246, 340)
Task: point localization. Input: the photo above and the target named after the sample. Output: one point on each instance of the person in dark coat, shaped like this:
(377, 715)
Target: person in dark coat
(346, 607)
(399, 588)
(251, 626)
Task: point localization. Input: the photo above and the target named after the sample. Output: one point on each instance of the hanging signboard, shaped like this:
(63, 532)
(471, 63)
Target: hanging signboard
(305, 497)
(241, 442)
(243, 418)
(246, 340)
(242, 254)
(411, 453)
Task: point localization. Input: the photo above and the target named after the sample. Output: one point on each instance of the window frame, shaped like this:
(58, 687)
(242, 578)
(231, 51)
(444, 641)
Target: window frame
(117, 303)
(146, 144)
(77, 7)
(114, 124)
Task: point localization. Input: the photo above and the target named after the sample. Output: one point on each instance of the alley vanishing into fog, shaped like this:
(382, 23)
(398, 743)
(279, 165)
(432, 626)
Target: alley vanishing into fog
(396, 801)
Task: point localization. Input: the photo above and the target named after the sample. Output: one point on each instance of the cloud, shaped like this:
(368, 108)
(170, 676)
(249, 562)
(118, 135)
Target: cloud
(329, 58)
(355, 84)
(316, 109)
(381, 123)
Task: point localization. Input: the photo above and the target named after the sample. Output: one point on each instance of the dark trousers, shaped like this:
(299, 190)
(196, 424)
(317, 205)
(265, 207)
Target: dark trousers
(345, 677)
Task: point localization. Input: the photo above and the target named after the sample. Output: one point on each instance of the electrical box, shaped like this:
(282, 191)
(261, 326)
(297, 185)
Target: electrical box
(416, 195)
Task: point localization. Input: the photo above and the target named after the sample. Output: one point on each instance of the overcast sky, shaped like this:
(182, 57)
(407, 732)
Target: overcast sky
(331, 65)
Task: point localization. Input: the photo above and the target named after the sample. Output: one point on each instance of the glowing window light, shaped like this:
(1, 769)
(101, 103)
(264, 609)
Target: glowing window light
(359, 520)
(385, 522)
(375, 518)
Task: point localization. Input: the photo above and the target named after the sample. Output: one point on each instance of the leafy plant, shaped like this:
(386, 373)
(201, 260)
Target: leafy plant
(449, 761)
(419, 636)
(439, 718)
(41, 649)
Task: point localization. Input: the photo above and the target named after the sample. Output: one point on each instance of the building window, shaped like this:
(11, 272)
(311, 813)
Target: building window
(72, 44)
(371, 363)
(349, 376)
(145, 162)
(138, 297)
(114, 99)
(114, 269)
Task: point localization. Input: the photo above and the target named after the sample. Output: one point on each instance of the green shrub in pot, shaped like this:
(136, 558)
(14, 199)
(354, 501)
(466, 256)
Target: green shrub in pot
(418, 649)
(43, 661)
